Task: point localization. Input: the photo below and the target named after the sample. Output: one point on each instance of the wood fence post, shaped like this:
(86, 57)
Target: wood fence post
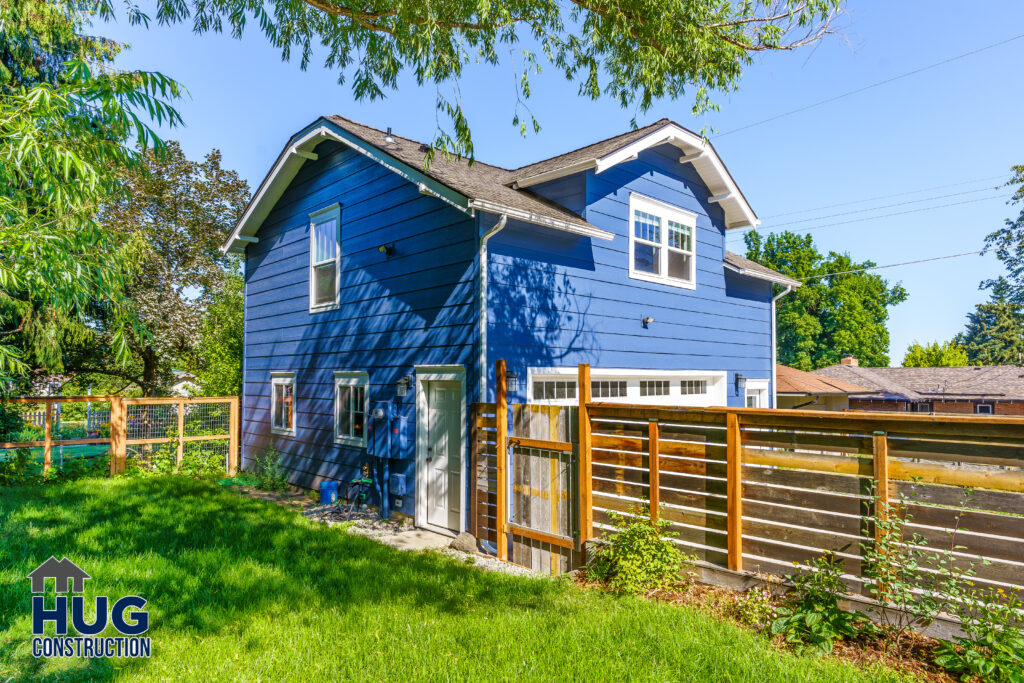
(235, 430)
(654, 468)
(501, 460)
(118, 434)
(586, 484)
(880, 452)
(734, 490)
(48, 436)
(180, 455)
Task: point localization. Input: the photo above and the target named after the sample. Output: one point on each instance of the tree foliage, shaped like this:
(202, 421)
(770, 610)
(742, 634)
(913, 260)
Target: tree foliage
(216, 358)
(995, 330)
(632, 51)
(835, 312)
(1008, 243)
(174, 214)
(61, 149)
(935, 355)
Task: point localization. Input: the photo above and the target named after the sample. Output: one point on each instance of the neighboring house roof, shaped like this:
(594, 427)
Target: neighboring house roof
(996, 382)
(745, 266)
(793, 382)
(471, 186)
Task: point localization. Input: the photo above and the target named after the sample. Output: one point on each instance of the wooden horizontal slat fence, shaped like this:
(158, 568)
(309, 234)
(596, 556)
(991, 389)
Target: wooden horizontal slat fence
(748, 489)
(202, 427)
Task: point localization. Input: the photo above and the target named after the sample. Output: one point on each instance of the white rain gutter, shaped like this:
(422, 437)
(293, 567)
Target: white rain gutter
(775, 350)
(482, 304)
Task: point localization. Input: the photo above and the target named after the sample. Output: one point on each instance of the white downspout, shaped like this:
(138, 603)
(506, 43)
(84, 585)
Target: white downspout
(482, 305)
(775, 350)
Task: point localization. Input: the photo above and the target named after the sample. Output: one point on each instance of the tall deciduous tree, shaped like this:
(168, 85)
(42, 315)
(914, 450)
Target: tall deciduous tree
(175, 215)
(216, 359)
(632, 51)
(1008, 244)
(836, 312)
(935, 355)
(995, 329)
(66, 128)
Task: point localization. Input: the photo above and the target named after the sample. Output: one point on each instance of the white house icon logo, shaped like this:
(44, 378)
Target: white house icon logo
(64, 573)
(126, 616)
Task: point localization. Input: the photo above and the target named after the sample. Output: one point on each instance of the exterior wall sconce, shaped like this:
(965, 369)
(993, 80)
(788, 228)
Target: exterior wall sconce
(741, 384)
(386, 249)
(511, 382)
(402, 388)
(646, 320)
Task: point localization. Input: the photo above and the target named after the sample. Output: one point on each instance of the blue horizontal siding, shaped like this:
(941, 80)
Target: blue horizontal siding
(556, 300)
(415, 307)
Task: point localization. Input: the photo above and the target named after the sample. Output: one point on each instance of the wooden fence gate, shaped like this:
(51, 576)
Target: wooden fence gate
(749, 490)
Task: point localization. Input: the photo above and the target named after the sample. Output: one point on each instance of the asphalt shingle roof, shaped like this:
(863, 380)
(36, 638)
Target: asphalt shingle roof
(476, 181)
(1005, 382)
(793, 381)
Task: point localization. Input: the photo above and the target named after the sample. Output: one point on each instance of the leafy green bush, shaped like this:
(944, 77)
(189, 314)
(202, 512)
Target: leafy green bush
(270, 475)
(992, 648)
(16, 467)
(639, 556)
(811, 620)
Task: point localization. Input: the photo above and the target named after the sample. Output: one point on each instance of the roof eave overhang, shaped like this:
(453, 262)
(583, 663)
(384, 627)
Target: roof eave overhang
(298, 151)
(776, 279)
(537, 219)
(696, 150)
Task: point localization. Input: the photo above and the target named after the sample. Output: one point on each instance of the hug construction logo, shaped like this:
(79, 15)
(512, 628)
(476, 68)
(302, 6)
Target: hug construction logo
(126, 616)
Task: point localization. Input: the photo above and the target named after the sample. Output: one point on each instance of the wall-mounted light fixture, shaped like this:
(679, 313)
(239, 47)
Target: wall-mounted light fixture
(646, 320)
(511, 382)
(402, 388)
(741, 384)
(386, 249)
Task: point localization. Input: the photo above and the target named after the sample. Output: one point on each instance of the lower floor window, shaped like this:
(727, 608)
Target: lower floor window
(757, 393)
(983, 409)
(691, 387)
(608, 389)
(282, 402)
(350, 404)
(549, 389)
(654, 387)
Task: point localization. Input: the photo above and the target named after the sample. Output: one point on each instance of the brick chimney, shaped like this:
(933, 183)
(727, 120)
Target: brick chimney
(849, 359)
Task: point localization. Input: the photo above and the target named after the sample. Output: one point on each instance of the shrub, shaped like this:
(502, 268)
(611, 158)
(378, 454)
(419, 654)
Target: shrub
(992, 648)
(756, 608)
(270, 475)
(811, 619)
(16, 467)
(639, 556)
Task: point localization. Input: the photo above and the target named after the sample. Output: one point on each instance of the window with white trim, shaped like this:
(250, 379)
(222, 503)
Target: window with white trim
(983, 409)
(350, 407)
(756, 394)
(605, 388)
(324, 256)
(661, 242)
(693, 387)
(282, 403)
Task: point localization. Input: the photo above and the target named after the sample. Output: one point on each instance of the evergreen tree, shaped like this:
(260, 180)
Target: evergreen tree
(995, 330)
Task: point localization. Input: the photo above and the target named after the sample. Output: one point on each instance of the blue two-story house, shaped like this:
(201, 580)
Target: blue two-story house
(379, 291)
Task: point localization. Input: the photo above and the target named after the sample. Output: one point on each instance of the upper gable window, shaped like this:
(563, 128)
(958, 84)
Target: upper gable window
(324, 252)
(661, 242)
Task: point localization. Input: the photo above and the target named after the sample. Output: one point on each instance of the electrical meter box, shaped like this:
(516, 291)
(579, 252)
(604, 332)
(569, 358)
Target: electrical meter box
(397, 485)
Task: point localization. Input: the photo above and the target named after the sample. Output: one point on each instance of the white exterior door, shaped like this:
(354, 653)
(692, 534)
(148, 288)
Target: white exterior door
(442, 464)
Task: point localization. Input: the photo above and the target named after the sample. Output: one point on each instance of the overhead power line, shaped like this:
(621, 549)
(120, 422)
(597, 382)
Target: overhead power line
(878, 84)
(891, 265)
(886, 196)
(884, 215)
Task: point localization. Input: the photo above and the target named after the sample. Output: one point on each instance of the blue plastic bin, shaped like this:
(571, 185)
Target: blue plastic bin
(328, 492)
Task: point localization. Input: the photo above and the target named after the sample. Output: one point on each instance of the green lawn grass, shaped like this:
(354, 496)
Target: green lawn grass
(240, 589)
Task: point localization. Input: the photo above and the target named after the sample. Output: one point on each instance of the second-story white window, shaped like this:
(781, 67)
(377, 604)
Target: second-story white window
(324, 252)
(662, 242)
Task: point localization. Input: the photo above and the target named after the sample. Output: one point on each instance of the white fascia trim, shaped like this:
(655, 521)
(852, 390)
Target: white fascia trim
(537, 219)
(554, 174)
(777, 279)
(706, 162)
(612, 373)
(275, 182)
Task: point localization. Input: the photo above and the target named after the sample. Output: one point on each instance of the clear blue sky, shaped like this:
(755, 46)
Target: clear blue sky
(956, 123)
